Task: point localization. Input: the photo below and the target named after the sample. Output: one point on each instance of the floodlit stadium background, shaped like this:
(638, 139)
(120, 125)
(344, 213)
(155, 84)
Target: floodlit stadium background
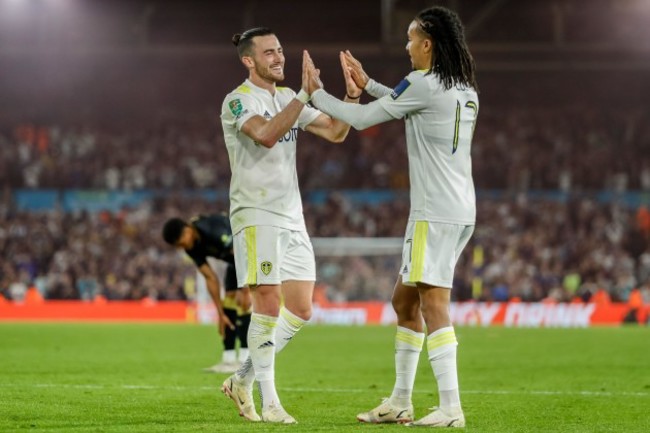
(109, 125)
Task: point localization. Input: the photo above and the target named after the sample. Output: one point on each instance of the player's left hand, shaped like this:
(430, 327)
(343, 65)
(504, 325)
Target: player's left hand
(310, 75)
(351, 87)
(356, 69)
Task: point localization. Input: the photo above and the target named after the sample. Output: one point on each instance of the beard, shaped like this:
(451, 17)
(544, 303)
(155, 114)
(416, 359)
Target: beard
(268, 75)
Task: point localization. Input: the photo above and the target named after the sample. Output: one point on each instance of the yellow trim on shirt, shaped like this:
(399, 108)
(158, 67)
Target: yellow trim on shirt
(243, 89)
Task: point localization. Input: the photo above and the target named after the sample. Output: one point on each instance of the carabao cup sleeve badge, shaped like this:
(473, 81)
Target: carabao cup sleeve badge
(235, 107)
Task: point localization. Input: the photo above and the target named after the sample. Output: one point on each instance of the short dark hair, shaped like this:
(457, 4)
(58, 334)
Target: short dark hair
(244, 41)
(452, 60)
(172, 230)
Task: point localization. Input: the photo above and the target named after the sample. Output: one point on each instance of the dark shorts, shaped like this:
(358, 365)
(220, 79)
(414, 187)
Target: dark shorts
(230, 281)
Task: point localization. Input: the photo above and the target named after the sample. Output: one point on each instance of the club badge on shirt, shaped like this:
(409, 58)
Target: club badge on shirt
(266, 267)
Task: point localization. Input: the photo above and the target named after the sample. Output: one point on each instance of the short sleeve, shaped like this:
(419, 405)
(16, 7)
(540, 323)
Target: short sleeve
(197, 257)
(413, 93)
(307, 115)
(241, 107)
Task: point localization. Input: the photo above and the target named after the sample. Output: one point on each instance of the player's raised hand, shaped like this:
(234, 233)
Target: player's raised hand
(356, 70)
(310, 75)
(305, 71)
(351, 88)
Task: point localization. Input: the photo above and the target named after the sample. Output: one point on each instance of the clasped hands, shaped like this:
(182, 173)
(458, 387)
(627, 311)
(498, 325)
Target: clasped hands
(355, 77)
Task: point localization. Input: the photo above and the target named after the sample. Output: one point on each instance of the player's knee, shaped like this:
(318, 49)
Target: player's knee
(303, 313)
(405, 309)
(435, 315)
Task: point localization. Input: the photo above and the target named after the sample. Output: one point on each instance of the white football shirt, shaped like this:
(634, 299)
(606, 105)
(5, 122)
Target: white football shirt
(264, 183)
(439, 128)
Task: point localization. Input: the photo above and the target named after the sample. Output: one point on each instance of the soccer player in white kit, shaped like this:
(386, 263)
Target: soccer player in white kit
(273, 253)
(439, 103)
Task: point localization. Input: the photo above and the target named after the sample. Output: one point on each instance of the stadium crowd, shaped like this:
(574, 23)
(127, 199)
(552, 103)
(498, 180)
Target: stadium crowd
(532, 250)
(514, 149)
(521, 248)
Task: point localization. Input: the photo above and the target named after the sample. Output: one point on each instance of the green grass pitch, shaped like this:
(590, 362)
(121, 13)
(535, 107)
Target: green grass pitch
(148, 378)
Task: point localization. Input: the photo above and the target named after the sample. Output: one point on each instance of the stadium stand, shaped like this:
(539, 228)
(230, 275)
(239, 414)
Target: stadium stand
(132, 106)
(523, 248)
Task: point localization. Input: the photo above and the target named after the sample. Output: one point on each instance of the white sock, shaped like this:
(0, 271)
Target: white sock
(442, 356)
(243, 353)
(288, 325)
(261, 341)
(229, 356)
(408, 345)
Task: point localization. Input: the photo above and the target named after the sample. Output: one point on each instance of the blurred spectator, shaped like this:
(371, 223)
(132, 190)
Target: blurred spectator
(528, 249)
(567, 149)
(524, 249)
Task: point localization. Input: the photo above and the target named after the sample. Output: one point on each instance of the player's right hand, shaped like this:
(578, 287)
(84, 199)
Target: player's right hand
(356, 70)
(223, 322)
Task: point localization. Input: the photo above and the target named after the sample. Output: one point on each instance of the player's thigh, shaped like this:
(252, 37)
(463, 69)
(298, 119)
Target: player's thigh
(297, 296)
(298, 262)
(430, 252)
(298, 274)
(435, 306)
(266, 299)
(259, 252)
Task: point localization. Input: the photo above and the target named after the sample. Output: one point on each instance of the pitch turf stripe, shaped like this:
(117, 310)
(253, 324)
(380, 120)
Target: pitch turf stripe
(488, 392)
(331, 390)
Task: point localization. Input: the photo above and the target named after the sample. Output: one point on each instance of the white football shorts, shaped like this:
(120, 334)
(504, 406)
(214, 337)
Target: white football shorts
(271, 255)
(430, 252)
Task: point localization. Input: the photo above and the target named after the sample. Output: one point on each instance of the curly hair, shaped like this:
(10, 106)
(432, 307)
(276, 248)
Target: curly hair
(452, 60)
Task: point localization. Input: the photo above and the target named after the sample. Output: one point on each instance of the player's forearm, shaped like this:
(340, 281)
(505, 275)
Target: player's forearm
(339, 127)
(280, 124)
(358, 116)
(214, 289)
(377, 90)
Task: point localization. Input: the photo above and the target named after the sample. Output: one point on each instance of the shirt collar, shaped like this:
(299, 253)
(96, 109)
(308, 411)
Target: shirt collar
(258, 89)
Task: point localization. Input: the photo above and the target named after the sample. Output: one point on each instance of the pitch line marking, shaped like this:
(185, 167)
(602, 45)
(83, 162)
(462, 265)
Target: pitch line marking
(491, 392)
(330, 390)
